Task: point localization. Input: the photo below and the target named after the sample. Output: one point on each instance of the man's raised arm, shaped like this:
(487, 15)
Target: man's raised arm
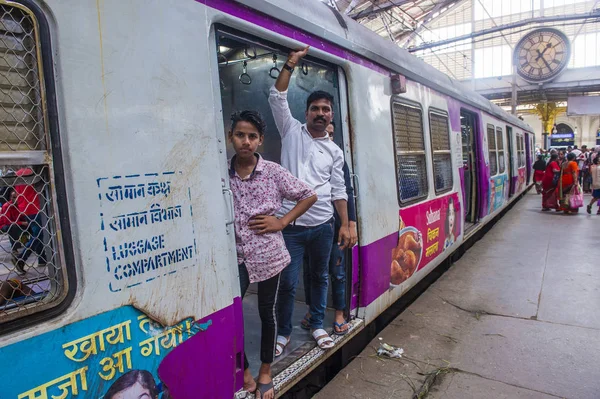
(278, 94)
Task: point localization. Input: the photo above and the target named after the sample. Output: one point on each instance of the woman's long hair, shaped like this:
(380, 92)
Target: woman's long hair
(129, 379)
(447, 222)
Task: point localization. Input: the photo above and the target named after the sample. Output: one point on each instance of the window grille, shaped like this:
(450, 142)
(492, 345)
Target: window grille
(31, 274)
(440, 146)
(500, 143)
(411, 163)
(493, 154)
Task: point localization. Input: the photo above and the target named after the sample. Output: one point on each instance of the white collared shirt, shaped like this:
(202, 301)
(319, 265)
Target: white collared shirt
(316, 161)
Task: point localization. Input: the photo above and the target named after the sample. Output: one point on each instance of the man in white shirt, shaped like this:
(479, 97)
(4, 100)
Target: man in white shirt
(308, 154)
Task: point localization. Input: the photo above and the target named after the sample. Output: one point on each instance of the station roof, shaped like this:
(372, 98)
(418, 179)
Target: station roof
(394, 19)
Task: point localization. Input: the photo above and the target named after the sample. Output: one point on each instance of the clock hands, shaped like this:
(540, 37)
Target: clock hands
(546, 62)
(540, 55)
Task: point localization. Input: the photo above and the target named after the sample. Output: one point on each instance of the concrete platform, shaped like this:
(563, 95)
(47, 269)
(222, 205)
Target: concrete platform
(518, 316)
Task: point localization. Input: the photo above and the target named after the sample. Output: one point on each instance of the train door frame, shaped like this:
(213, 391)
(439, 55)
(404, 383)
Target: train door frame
(347, 148)
(471, 206)
(528, 157)
(511, 165)
(273, 44)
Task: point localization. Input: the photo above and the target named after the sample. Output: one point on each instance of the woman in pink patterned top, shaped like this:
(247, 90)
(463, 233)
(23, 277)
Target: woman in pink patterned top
(259, 188)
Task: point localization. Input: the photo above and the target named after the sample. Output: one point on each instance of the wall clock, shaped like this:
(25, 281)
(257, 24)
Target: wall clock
(542, 54)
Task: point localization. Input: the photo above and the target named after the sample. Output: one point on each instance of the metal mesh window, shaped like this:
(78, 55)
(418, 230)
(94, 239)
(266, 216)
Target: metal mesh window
(442, 157)
(410, 152)
(31, 276)
(491, 137)
(500, 143)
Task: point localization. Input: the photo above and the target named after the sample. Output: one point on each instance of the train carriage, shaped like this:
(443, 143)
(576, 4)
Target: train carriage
(114, 120)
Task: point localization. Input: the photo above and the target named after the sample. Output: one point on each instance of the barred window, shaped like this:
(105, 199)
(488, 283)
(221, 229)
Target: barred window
(440, 146)
(31, 275)
(493, 153)
(500, 143)
(411, 163)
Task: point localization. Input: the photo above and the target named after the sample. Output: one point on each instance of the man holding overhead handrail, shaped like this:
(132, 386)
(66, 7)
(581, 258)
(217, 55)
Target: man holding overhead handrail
(308, 154)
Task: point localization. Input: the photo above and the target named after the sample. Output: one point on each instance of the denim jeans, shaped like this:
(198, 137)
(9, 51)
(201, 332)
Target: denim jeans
(337, 273)
(35, 243)
(267, 293)
(316, 243)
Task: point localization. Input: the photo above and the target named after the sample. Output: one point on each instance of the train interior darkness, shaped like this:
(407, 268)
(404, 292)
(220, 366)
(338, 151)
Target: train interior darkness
(468, 122)
(248, 67)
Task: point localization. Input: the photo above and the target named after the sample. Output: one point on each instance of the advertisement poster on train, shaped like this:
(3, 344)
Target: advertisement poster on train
(521, 181)
(112, 355)
(496, 193)
(426, 230)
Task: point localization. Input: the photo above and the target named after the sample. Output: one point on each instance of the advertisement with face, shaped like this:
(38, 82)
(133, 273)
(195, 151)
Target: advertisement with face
(113, 355)
(426, 230)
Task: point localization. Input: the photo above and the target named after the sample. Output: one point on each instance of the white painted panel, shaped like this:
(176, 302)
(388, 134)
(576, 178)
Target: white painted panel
(136, 102)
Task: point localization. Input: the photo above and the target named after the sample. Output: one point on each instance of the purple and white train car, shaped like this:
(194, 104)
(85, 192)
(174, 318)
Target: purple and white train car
(113, 116)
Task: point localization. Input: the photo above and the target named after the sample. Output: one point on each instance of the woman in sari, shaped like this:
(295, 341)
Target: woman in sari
(539, 168)
(549, 184)
(568, 183)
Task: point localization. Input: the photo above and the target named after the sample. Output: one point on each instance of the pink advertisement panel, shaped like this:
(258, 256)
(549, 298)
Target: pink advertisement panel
(426, 230)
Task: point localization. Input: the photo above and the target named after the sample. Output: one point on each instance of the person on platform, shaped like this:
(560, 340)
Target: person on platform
(561, 157)
(337, 265)
(568, 183)
(595, 175)
(28, 202)
(259, 188)
(550, 183)
(13, 224)
(309, 155)
(539, 167)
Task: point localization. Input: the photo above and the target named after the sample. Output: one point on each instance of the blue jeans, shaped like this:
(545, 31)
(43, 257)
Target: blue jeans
(316, 243)
(35, 243)
(337, 273)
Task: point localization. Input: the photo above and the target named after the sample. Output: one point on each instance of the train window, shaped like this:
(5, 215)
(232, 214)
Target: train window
(492, 151)
(500, 142)
(411, 161)
(32, 277)
(440, 146)
(520, 151)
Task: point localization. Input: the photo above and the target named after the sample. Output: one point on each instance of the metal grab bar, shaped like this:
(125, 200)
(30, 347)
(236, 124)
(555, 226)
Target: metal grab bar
(274, 69)
(244, 78)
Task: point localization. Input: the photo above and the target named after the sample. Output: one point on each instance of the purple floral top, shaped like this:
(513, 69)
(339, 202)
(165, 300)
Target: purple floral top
(262, 193)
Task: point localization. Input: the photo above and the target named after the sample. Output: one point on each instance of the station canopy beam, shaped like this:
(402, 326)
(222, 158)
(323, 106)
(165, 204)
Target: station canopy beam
(537, 20)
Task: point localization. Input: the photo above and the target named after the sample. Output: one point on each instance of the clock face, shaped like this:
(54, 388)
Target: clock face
(542, 54)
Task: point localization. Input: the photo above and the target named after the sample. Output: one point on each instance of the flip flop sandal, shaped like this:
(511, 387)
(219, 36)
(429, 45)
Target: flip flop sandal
(263, 388)
(323, 339)
(282, 342)
(340, 330)
(305, 323)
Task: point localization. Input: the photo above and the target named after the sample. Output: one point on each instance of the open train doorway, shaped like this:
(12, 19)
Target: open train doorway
(247, 68)
(512, 172)
(469, 151)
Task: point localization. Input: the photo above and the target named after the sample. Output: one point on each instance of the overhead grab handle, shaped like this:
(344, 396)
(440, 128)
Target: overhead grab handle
(222, 59)
(244, 78)
(304, 69)
(274, 72)
(251, 56)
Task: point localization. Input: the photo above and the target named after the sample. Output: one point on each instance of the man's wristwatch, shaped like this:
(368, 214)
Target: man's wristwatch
(288, 68)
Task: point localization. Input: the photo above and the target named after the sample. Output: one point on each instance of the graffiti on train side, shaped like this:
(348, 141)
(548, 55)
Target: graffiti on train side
(426, 230)
(105, 356)
(147, 227)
